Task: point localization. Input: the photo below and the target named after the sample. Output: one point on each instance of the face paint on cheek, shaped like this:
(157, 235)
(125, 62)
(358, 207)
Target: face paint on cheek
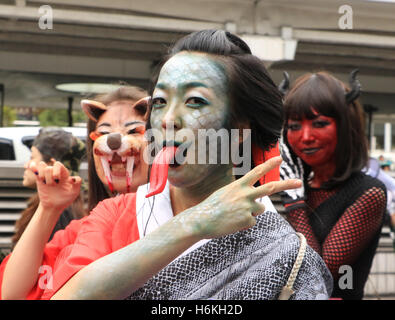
(193, 88)
(115, 168)
(207, 118)
(314, 141)
(190, 121)
(328, 138)
(212, 118)
(156, 121)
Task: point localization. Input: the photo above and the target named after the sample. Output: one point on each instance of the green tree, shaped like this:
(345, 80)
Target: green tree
(9, 116)
(58, 117)
(79, 116)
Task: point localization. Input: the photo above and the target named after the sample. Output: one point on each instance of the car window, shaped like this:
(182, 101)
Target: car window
(6, 149)
(28, 141)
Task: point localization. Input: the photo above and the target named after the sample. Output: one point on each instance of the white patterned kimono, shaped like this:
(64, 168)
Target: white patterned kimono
(252, 264)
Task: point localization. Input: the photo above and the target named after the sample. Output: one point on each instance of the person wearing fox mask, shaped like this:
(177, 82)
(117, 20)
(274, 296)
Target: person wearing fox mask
(196, 221)
(123, 114)
(115, 143)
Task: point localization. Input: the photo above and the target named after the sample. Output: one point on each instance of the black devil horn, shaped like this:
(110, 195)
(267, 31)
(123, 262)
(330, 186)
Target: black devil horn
(355, 87)
(284, 85)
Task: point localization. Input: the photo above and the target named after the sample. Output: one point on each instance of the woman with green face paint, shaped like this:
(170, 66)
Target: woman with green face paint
(197, 232)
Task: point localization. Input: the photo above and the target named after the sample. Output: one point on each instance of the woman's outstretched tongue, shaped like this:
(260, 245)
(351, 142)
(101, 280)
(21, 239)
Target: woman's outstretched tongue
(159, 170)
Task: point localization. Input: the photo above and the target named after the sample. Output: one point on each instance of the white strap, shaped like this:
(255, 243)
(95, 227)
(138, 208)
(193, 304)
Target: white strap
(287, 290)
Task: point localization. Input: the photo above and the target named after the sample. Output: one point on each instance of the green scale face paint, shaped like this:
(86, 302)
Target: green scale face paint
(191, 94)
(191, 88)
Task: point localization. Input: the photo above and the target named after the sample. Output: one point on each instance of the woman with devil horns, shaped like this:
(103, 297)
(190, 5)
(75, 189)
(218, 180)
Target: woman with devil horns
(339, 209)
(197, 232)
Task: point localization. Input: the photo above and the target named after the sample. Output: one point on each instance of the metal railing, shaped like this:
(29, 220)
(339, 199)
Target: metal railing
(13, 199)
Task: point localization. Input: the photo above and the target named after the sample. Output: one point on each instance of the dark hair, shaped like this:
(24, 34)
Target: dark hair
(254, 98)
(325, 94)
(53, 142)
(24, 219)
(96, 190)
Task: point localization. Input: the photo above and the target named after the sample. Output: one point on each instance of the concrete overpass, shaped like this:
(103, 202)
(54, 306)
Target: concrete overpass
(107, 41)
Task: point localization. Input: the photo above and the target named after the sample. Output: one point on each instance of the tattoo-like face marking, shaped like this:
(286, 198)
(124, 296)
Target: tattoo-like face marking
(191, 94)
(199, 84)
(121, 170)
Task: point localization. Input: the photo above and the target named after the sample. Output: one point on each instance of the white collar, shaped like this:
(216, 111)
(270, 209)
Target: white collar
(154, 211)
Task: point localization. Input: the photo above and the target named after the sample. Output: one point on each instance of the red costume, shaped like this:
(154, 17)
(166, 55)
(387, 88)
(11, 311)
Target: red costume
(71, 249)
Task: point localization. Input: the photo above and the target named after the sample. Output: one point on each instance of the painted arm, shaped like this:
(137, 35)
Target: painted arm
(22, 269)
(226, 211)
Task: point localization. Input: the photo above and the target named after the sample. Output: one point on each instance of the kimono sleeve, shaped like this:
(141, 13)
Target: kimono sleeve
(61, 239)
(94, 240)
(314, 281)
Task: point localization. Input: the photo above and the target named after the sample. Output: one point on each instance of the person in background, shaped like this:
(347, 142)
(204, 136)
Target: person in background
(340, 209)
(52, 145)
(385, 164)
(116, 108)
(375, 171)
(52, 148)
(123, 115)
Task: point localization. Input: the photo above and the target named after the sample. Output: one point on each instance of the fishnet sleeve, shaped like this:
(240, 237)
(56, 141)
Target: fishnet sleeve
(299, 220)
(354, 230)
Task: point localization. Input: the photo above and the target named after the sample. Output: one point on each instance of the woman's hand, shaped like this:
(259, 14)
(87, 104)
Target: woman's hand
(56, 188)
(233, 207)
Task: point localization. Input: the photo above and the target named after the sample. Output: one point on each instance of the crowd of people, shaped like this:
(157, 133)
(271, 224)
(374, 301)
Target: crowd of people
(160, 225)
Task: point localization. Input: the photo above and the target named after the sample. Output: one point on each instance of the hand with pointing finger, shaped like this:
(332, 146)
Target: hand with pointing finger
(234, 207)
(56, 188)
